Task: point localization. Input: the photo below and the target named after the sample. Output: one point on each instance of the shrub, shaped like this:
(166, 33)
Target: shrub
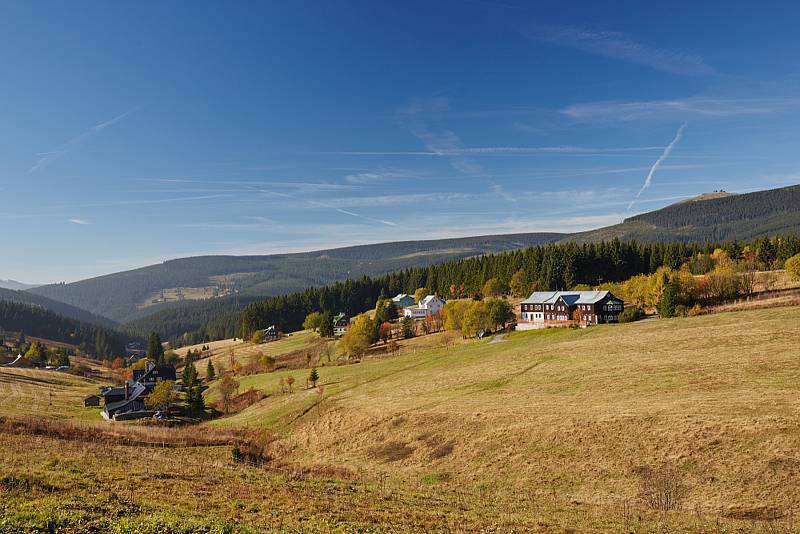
(792, 266)
(630, 315)
(662, 488)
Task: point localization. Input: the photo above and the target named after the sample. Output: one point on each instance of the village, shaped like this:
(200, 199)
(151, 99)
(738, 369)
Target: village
(151, 388)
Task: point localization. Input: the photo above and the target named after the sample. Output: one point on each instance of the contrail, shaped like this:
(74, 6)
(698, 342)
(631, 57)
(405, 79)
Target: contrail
(664, 155)
(45, 158)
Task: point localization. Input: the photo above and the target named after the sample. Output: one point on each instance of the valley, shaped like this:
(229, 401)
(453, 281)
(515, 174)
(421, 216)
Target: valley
(556, 429)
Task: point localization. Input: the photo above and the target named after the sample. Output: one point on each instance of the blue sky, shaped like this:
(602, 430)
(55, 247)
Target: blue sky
(138, 132)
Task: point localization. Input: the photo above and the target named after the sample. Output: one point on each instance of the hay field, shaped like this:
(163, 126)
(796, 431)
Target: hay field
(44, 393)
(547, 431)
(243, 351)
(577, 413)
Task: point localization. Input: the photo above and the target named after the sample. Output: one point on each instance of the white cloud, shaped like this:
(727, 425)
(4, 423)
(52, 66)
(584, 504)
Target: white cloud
(78, 221)
(623, 47)
(678, 109)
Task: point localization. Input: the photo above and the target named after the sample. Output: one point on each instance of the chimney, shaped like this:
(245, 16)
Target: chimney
(127, 390)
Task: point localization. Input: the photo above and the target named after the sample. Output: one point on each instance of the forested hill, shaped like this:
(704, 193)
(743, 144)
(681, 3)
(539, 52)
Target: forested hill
(36, 321)
(545, 267)
(135, 294)
(71, 312)
(121, 296)
(729, 217)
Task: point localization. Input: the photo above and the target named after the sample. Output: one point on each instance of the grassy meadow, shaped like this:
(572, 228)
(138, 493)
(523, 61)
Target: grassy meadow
(549, 430)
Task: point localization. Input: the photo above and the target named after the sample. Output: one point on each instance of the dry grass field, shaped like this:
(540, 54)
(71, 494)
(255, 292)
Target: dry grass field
(550, 430)
(220, 352)
(49, 393)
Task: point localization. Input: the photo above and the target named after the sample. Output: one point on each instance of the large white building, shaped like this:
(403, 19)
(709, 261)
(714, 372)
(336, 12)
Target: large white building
(430, 305)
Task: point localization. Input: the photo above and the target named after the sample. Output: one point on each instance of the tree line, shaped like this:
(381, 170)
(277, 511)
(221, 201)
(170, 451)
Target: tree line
(36, 321)
(542, 267)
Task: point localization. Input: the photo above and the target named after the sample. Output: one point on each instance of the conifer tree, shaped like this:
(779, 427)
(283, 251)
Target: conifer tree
(210, 372)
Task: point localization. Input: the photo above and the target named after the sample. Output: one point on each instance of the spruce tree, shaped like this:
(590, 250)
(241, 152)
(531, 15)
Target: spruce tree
(155, 350)
(210, 373)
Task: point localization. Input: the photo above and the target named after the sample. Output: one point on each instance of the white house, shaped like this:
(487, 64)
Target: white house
(430, 305)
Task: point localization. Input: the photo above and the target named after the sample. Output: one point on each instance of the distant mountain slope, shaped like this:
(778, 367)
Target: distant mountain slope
(130, 295)
(39, 322)
(719, 218)
(16, 286)
(121, 296)
(71, 312)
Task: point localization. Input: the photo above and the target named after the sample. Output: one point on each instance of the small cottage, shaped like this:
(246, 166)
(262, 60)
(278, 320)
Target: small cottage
(340, 324)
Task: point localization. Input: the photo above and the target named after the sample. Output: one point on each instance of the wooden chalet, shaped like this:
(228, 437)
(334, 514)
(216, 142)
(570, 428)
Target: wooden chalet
(565, 308)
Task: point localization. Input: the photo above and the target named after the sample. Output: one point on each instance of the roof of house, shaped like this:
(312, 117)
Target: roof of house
(153, 372)
(136, 392)
(111, 392)
(570, 297)
(427, 300)
(402, 296)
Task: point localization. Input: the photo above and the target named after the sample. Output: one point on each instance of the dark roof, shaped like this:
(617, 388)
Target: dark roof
(134, 400)
(155, 373)
(570, 297)
(111, 392)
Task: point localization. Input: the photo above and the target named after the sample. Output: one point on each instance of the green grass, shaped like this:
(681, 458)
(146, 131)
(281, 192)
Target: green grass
(545, 431)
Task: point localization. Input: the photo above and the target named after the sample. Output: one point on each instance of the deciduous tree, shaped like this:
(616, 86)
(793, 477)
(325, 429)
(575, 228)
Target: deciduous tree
(518, 286)
(257, 338)
(312, 321)
(420, 293)
(162, 395)
(493, 288)
(792, 266)
(228, 387)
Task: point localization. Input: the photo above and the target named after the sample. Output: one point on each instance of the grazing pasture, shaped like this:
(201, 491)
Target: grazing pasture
(680, 425)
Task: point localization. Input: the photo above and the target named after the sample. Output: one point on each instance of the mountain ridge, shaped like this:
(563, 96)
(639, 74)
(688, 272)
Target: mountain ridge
(133, 294)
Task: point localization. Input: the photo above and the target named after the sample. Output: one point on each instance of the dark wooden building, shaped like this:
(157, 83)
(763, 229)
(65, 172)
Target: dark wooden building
(554, 308)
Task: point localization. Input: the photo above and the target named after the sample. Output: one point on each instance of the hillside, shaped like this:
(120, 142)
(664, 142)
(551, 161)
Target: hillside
(711, 217)
(577, 413)
(138, 293)
(122, 296)
(552, 431)
(36, 321)
(78, 314)
(16, 286)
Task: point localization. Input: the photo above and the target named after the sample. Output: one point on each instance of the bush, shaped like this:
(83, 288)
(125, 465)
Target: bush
(792, 266)
(630, 315)
(662, 488)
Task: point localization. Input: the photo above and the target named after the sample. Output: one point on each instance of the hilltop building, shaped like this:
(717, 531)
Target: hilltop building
(340, 324)
(403, 300)
(565, 308)
(430, 305)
